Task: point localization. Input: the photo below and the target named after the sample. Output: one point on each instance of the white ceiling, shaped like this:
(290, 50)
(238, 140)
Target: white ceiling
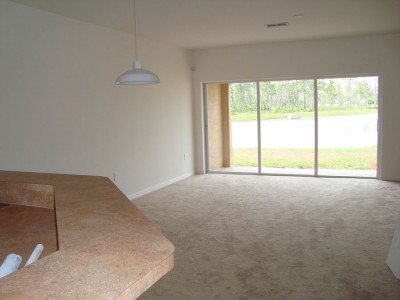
(194, 24)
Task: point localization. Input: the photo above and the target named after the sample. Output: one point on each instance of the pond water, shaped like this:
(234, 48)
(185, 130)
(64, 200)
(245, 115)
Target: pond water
(334, 132)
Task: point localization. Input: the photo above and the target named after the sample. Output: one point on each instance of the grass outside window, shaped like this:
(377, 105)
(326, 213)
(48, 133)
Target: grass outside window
(336, 159)
(252, 115)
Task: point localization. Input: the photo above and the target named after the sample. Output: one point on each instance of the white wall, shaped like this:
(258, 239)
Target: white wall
(61, 112)
(318, 58)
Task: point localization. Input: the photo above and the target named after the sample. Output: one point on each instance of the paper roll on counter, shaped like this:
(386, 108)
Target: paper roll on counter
(35, 254)
(10, 264)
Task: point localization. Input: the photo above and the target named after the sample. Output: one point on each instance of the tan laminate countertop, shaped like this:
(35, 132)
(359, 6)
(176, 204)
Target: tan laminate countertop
(107, 248)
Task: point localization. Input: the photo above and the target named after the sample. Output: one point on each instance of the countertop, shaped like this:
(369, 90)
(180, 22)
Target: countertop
(107, 248)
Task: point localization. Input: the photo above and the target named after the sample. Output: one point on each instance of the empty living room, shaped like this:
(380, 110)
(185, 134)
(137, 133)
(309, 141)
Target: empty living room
(214, 149)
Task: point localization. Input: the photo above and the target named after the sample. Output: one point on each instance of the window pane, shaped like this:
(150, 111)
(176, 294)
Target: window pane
(244, 127)
(287, 126)
(347, 122)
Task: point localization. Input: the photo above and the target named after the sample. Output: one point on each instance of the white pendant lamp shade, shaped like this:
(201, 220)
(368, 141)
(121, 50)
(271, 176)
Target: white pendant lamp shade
(137, 76)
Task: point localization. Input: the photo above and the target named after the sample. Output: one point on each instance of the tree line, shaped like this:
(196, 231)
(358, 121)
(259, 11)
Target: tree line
(298, 95)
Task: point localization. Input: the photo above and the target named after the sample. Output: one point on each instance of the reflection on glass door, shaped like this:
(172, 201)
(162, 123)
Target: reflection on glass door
(287, 127)
(347, 122)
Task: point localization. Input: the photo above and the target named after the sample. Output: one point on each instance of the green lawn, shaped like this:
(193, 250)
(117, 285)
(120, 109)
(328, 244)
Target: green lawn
(252, 115)
(337, 159)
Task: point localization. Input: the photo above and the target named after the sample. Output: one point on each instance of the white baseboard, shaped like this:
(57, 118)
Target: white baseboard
(159, 186)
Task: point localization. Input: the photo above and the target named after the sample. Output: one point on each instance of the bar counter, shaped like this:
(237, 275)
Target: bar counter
(107, 248)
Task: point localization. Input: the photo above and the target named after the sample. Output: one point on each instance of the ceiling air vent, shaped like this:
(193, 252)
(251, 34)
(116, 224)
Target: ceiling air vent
(274, 25)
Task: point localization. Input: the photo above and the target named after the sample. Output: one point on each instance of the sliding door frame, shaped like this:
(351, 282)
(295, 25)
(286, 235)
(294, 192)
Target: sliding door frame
(205, 126)
(316, 147)
(316, 144)
(259, 158)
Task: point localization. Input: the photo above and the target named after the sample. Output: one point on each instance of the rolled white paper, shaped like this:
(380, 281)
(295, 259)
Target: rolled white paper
(10, 264)
(35, 254)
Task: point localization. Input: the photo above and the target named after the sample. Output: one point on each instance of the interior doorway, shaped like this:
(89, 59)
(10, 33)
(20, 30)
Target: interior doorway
(312, 127)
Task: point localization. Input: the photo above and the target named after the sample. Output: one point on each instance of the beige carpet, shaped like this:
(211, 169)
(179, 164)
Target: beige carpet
(264, 237)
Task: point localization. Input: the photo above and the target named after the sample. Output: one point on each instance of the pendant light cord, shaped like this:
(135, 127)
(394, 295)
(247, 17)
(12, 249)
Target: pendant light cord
(135, 33)
(137, 75)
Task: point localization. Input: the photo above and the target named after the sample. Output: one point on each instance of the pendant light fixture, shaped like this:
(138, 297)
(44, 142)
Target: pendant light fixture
(137, 75)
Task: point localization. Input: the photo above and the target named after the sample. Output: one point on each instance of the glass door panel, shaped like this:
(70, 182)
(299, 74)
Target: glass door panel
(287, 127)
(244, 127)
(347, 126)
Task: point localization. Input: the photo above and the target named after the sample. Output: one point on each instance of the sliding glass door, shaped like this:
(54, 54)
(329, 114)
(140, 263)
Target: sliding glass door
(231, 122)
(244, 106)
(347, 126)
(324, 127)
(287, 127)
